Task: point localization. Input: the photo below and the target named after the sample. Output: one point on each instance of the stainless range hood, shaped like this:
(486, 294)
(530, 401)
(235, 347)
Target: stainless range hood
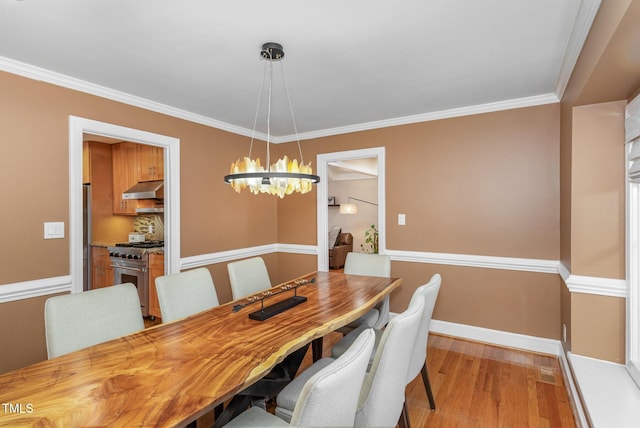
(146, 190)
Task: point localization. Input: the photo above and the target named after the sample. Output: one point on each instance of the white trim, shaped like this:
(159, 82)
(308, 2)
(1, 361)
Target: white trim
(297, 249)
(41, 74)
(243, 253)
(586, 15)
(594, 285)
(32, 72)
(487, 262)
(427, 117)
(322, 163)
(609, 394)
(77, 128)
(632, 244)
(575, 283)
(574, 395)
(225, 256)
(497, 337)
(35, 288)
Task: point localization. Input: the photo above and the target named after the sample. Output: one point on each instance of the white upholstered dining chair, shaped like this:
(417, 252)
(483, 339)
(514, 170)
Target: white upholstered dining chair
(185, 293)
(248, 276)
(328, 397)
(418, 362)
(383, 391)
(372, 265)
(79, 320)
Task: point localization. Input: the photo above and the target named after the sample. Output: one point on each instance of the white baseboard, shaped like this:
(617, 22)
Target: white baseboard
(497, 337)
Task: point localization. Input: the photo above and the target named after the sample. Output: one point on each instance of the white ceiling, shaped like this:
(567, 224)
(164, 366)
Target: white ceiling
(350, 64)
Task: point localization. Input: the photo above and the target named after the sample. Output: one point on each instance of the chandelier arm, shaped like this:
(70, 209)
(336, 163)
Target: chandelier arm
(293, 119)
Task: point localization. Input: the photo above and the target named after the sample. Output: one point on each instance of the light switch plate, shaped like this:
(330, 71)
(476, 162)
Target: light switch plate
(402, 219)
(53, 230)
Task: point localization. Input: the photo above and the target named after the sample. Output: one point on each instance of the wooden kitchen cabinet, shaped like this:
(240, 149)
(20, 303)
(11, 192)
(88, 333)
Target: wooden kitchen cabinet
(126, 173)
(86, 163)
(101, 270)
(156, 269)
(151, 162)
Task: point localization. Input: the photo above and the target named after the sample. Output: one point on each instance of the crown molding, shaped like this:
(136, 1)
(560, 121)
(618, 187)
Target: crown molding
(533, 101)
(584, 20)
(58, 79)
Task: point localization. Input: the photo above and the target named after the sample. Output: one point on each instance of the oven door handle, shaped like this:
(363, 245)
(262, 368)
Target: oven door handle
(129, 268)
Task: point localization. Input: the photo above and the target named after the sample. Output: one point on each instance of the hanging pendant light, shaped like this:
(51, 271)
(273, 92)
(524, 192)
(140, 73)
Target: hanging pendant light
(286, 175)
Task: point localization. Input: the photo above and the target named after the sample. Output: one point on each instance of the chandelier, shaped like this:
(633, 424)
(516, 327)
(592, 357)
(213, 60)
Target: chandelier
(285, 176)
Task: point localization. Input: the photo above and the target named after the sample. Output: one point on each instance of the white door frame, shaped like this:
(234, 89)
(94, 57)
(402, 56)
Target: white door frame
(77, 128)
(322, 210)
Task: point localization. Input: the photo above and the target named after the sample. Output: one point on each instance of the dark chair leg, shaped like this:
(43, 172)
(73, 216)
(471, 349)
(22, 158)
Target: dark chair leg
(404, 416)
(427, 387)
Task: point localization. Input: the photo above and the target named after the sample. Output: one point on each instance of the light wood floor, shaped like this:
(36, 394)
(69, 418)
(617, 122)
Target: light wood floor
(480, 385)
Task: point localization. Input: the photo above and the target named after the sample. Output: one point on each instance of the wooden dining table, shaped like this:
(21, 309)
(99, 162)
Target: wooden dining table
(173, 373)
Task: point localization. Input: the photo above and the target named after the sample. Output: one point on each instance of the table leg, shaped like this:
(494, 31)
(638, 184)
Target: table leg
(316, 348)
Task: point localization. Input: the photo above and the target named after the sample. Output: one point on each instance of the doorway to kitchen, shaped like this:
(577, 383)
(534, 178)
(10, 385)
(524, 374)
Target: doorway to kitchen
(78, 129)
(326, 162)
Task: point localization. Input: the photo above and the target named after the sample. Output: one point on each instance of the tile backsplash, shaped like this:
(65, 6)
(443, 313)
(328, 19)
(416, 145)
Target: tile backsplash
(151, 225)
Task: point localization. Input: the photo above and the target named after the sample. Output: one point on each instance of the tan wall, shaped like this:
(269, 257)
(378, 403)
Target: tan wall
(598, 191)
(592, 182)
(34, 181)
(485, 185)
(512, 301)
(598, 327)
(22, 335)
(485, 214)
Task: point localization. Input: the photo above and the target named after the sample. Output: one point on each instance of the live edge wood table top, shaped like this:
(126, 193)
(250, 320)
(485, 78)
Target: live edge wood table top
(173, 373)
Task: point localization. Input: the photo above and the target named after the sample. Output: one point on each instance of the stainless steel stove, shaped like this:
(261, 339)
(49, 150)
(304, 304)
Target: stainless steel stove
(130, 263)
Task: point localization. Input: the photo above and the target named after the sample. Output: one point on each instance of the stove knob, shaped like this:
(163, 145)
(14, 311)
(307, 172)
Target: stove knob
(130, 256)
